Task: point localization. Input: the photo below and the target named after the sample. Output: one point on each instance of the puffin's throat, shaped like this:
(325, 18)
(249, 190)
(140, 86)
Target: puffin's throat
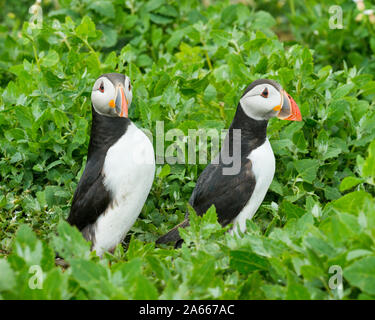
(105, 131)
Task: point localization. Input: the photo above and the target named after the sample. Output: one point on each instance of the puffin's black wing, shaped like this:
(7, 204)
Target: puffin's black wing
(90, 198)
(229, 194)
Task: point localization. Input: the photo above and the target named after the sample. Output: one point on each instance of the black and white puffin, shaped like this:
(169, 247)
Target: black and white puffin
(238, 196)
(119, 171)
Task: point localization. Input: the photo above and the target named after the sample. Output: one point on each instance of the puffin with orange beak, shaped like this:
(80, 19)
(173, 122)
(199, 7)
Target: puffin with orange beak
(119, 171)
(238, 191)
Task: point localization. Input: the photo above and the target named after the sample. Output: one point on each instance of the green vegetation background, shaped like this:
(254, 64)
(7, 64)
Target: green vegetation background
(189, 62)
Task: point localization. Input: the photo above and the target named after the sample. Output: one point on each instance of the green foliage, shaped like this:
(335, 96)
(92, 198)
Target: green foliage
(348, 41)
(362, 274)
(188, 64)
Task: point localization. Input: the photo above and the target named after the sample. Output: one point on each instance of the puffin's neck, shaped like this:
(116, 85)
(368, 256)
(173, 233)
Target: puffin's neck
(253, 132)
(105, 131)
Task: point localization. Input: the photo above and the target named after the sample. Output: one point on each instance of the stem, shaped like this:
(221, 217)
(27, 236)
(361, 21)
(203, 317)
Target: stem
(299, 83)
(65, 40)
(132, 10)
(91, 49)
(236, 46)
(292, 9)
(206, 55)
(295, 181)
(36, 56)
(271, 224)
(222, 114)
(208, 60)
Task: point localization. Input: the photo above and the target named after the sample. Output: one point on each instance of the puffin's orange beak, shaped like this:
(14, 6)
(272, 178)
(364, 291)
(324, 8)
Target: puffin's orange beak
(289, 109)
(121, 103)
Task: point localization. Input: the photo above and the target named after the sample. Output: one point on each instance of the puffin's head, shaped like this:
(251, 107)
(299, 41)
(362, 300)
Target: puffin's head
(112, 95)
(264, 99)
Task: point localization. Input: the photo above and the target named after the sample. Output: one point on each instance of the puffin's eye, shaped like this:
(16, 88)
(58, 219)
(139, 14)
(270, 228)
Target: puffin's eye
(264, 94)
(101, 88)
(130, 86)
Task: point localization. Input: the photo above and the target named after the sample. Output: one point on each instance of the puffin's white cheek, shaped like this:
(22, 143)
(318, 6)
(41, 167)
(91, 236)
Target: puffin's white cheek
(100, 102)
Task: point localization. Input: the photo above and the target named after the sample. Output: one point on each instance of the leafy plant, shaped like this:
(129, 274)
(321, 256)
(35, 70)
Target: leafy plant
(189, 65)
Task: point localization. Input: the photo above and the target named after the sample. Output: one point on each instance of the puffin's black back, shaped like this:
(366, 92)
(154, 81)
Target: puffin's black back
(91, 197)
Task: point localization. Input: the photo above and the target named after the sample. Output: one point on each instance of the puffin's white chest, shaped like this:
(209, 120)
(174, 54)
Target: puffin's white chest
(263, 167)
(128, 171)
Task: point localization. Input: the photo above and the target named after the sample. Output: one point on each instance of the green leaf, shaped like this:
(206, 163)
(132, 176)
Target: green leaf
(159, 19)
(166, 170)
(104, 8)
(27, 247)
(108, 39)
(331, 193)
(295, 290)
(203, 271)
(220, 37)
(246, 261)
(51, 59)
(263, 21)
(300, 141)
(229, 14)
(354, 254)
(352, 202)
(154, 4)
(343, 90)
(368, 169)
(312, 272)
(7, 276)
(70, 243)
(86, 29)
(291, 210)
(210, 93)
(320, 246)
(361, 274)
(307, 169)
(349, 182)
(93, 277)
(145, 290)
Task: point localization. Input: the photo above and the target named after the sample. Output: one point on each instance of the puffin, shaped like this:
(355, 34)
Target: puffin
(237, 194)
(119, 171)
